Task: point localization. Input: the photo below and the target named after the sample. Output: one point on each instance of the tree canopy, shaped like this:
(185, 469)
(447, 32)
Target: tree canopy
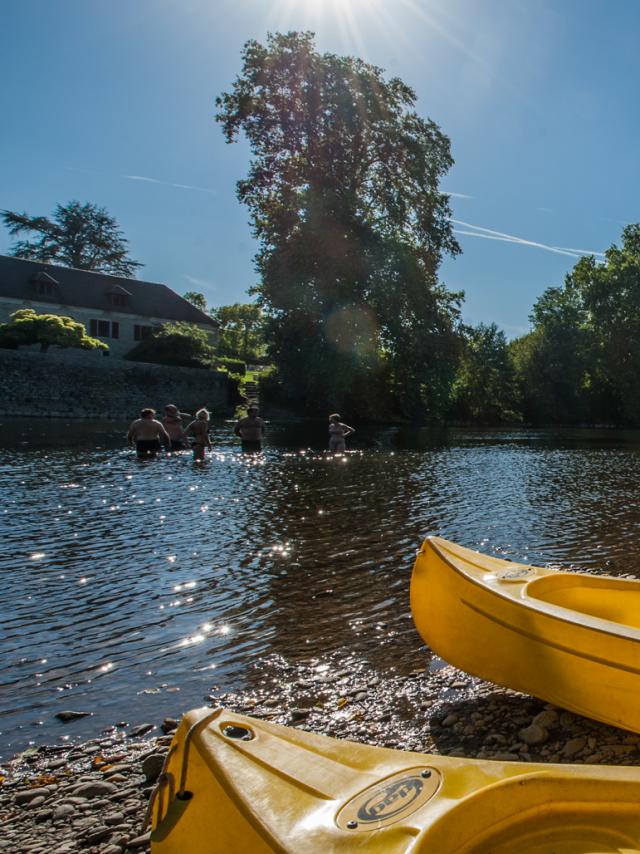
(197, 299)
(78, 235)
(241, 332)
(28, 327)
(581, 361)
(344, 198)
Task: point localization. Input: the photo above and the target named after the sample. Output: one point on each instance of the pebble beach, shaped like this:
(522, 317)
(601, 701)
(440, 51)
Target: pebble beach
(92, 797)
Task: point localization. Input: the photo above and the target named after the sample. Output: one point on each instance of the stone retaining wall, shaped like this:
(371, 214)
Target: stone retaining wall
(82, 384)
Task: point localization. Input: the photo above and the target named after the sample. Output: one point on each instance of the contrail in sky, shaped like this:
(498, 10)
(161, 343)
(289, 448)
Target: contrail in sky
(490, 234)
(146, 179)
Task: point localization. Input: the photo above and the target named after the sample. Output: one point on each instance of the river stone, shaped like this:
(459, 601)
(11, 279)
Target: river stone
(23, 796)
(98, 834)
(142, 729)
(95, 789)
(533, 734)
(36, 802)
(69, 715)
(152, 766)
(574, 746)
(547, 719)
(63, 811)
(140, 841)
(169, 724)
(450, 720)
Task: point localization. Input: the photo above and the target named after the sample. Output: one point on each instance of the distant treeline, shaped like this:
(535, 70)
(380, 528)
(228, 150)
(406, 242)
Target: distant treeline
(580, 364)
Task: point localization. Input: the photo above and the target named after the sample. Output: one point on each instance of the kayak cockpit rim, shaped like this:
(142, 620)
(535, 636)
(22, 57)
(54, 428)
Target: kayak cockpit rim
(542, 607)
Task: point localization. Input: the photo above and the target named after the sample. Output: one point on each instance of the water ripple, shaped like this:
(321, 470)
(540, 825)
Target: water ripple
(131, 588)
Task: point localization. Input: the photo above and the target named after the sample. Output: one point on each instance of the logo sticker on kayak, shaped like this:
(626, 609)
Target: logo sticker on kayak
(390, 800)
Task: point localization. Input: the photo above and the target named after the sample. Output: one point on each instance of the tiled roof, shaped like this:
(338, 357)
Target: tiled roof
(67, 286)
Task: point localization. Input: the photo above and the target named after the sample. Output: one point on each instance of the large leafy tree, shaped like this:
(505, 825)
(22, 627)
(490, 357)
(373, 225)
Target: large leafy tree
(78, 235)
(27, 327)
(344, 200)
(241, 331)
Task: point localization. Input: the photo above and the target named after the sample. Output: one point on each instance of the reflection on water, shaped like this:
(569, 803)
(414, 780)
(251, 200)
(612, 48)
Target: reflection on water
(130, 588)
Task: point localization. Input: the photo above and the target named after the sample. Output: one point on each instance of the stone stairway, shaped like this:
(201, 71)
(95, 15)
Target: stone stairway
(252, 392)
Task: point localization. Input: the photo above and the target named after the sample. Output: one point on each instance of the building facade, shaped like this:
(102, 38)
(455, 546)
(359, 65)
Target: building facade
(116, 310)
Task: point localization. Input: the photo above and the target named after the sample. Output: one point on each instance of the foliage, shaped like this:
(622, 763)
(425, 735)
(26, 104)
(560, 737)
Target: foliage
(28, 327)
(197, 299)
(233, 366)
(241, 333)
(581, 362)
(344, 200)
(78, 235)
(484, 391)
(180, 344)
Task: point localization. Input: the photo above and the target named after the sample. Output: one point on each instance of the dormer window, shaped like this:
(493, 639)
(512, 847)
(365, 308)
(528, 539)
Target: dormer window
(118, 297)
(43, 284)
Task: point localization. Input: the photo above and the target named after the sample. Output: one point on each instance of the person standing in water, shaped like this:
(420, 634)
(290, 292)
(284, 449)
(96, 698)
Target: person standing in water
(147, 434)
(251, 430)
(338, 432)
(174, 426)
(199, 432)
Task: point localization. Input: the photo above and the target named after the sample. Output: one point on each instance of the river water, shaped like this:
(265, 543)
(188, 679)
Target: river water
(130, 589)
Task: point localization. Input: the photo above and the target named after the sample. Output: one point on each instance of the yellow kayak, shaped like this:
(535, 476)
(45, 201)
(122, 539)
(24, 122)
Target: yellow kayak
(566, 637)
(236, 785)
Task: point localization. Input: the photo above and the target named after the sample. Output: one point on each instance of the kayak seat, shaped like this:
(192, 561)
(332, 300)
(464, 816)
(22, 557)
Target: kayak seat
(607, 598)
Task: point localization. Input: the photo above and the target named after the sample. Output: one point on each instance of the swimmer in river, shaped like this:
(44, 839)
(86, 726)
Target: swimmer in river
(199, 431)
(147, 434)
(338, 433)
(251, 430)
(174, 425)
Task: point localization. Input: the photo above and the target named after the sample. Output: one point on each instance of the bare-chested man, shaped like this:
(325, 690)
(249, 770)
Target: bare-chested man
(147, 434)
(251, 430)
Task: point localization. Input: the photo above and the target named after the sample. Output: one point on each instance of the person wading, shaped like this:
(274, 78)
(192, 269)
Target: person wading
(251, 430)
(147, 434)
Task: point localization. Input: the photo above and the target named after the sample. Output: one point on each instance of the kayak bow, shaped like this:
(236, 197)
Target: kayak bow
(238, 785)
(566, 637)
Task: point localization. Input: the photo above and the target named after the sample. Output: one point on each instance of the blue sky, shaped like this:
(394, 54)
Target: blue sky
(114, 102)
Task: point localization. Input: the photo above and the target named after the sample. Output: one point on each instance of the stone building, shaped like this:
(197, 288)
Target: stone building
(116, 310)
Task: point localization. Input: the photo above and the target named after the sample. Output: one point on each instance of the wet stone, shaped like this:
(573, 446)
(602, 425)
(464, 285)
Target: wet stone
(142, 729)
(70, 715)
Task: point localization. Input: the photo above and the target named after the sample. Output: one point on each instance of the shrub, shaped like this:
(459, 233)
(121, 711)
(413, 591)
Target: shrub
(28, 327)
(180, 344)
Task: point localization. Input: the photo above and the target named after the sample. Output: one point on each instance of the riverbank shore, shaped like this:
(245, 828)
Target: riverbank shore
(92, 797)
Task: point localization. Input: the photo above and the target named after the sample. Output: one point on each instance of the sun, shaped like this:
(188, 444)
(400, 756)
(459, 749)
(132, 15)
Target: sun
(346, 17)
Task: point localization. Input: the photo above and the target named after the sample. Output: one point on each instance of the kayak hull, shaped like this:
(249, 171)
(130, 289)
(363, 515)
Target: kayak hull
(286, 790)
(569, 638)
